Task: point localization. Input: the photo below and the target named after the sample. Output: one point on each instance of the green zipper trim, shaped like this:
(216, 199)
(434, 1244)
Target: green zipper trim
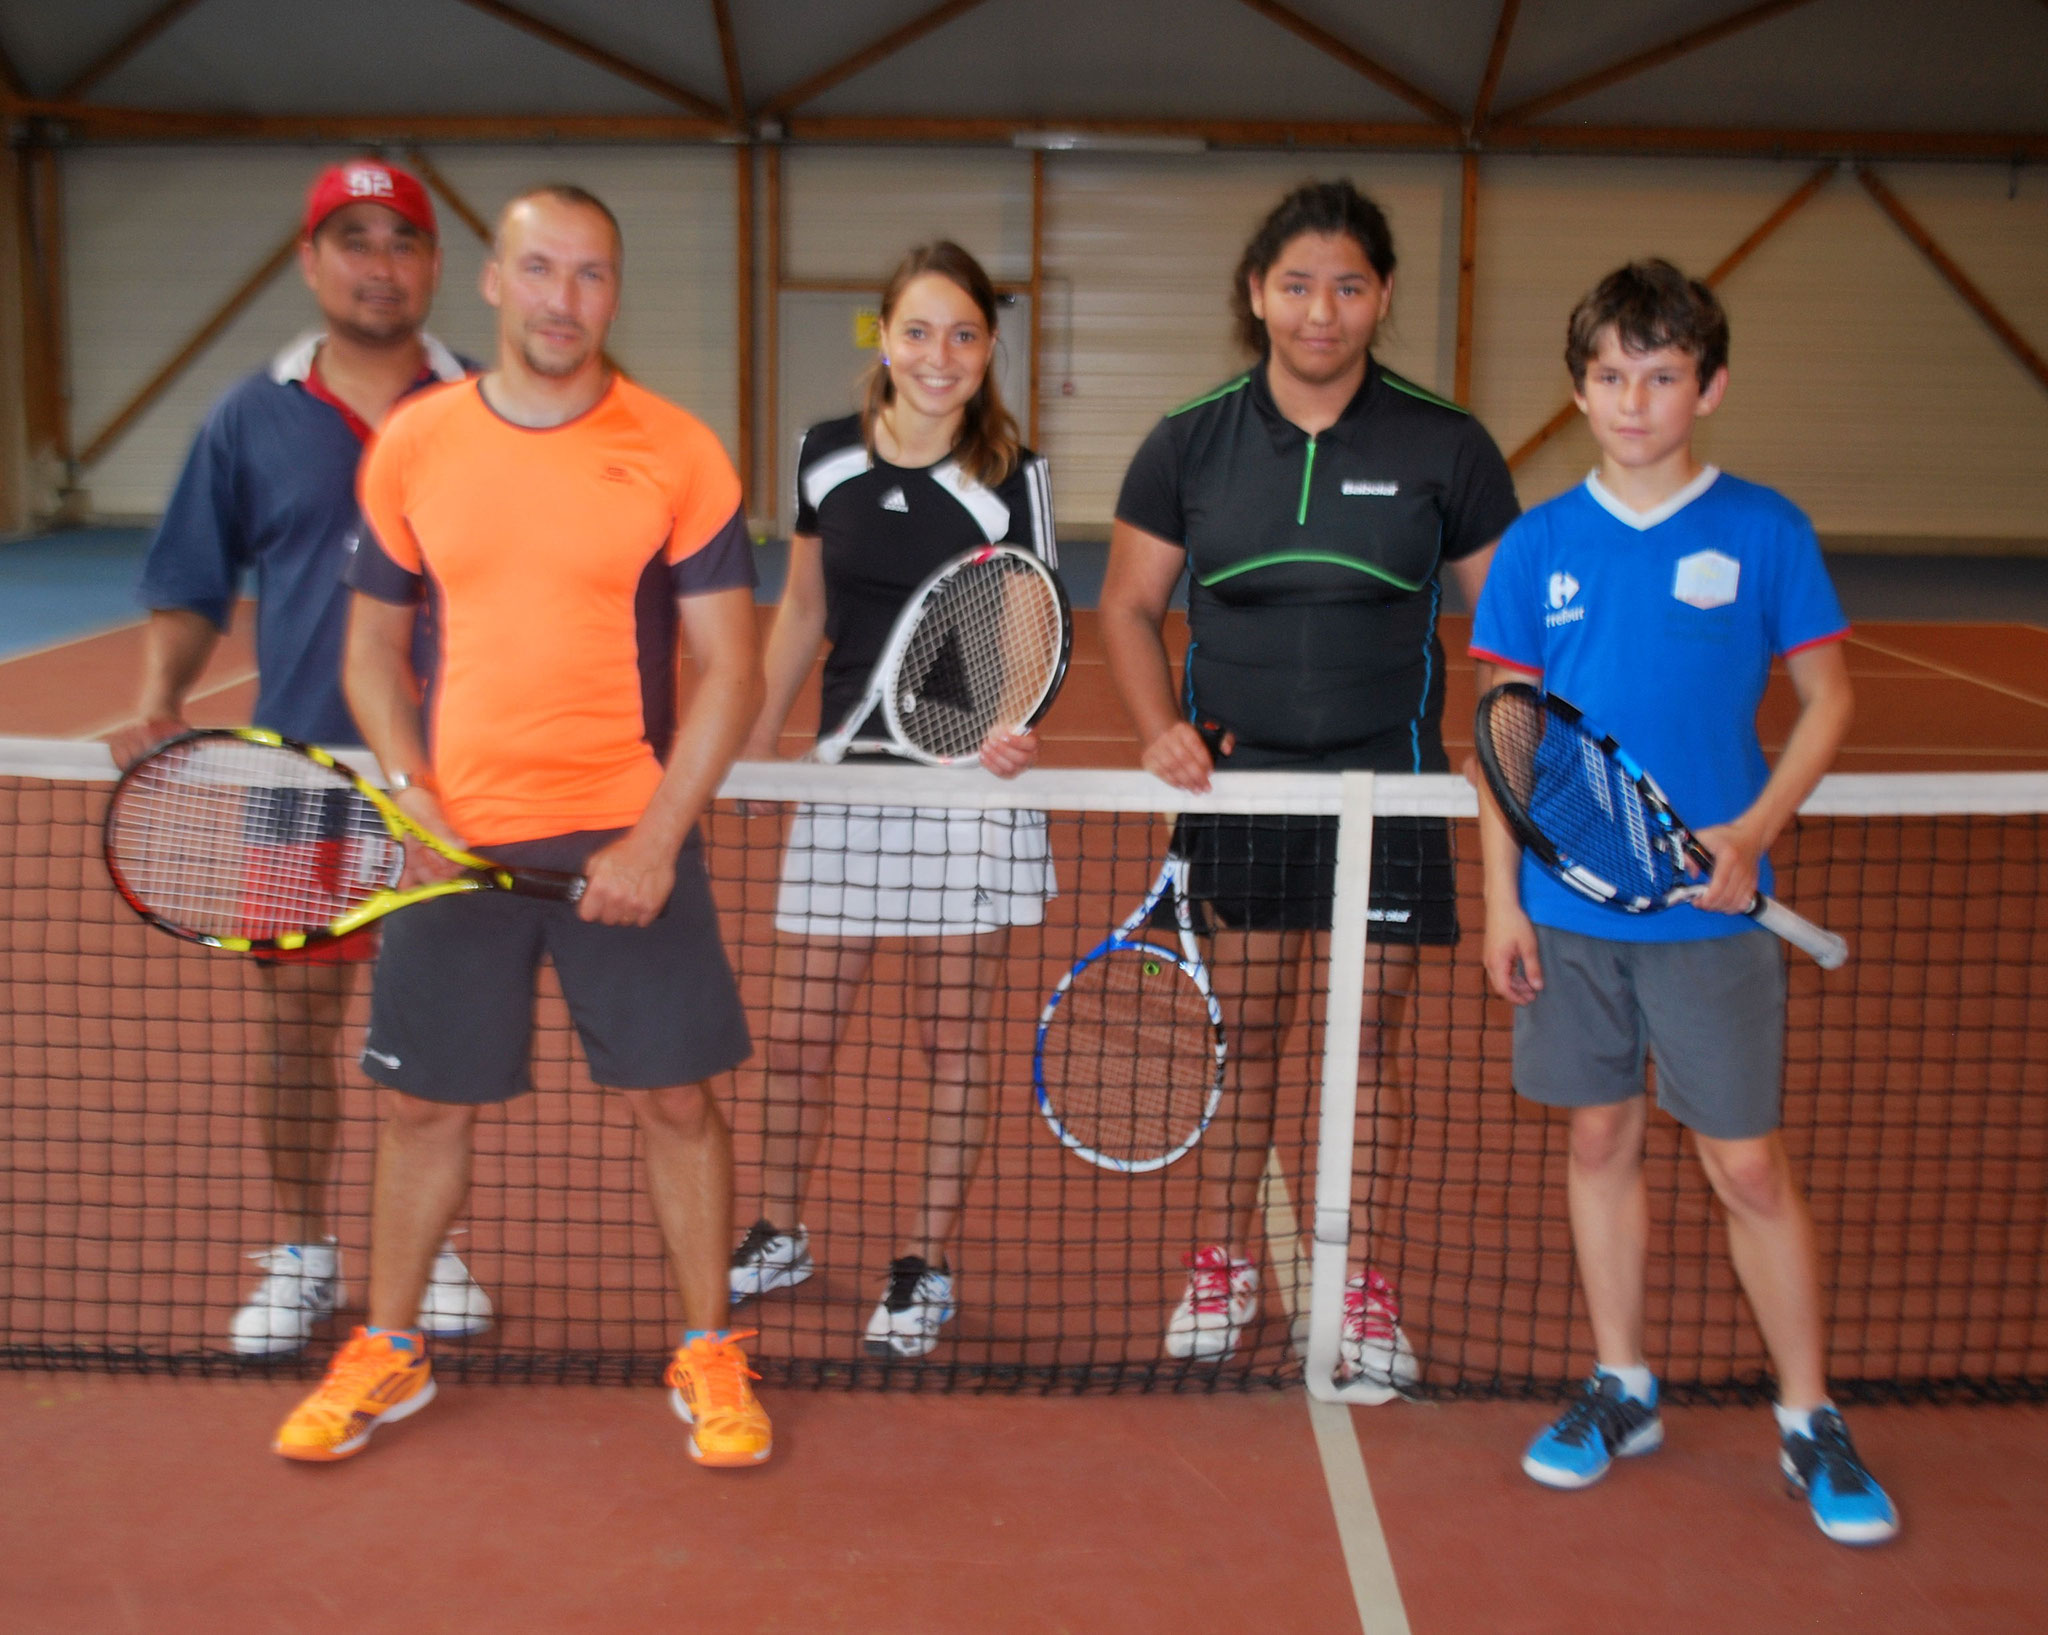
(1210, 397)
(1308, 467)
(1280, 557)
(1414, 390)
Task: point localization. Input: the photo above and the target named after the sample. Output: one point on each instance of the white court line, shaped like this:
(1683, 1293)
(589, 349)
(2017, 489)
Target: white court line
(225, 685)
(1374, 1588)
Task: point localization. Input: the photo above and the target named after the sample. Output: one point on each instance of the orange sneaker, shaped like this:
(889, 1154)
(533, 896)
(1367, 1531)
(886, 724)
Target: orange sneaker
(710, 1394)
(373, 1380)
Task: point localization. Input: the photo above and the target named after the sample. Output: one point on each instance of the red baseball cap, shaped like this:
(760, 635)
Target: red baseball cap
(368, 181)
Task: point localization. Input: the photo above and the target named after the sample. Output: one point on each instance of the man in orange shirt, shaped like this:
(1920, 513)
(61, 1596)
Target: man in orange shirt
(566, 526)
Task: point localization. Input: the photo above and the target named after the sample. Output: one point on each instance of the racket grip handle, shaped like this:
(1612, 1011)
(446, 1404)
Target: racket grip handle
(547, 884)
(1829, 951)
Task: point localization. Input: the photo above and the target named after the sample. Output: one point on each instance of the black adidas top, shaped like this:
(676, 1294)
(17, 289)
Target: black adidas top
(886, 529)
(1313, 593)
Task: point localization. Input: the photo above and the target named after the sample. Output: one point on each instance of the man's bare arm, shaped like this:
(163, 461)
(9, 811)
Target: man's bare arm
(175, 648)
(631, 878)
(383, 696)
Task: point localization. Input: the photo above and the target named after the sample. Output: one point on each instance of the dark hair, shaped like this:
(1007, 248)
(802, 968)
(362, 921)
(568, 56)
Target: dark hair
(987, 450)
(564, 193)
(1648, 305)
(1329, 209)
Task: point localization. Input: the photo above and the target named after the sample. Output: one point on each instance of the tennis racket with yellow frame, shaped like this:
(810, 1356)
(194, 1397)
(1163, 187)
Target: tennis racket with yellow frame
(241, 839)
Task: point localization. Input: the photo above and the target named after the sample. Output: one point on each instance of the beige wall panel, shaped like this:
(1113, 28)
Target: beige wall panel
(158, 237)
(1139, 254)
(1548, 231)
(852, 212)
(1861, 386)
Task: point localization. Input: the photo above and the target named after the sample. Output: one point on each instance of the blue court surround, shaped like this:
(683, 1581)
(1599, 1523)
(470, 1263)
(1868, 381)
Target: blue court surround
(60, 587)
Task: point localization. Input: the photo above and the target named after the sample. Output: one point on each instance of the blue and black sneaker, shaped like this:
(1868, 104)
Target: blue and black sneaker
(1846, 1502)
(1603, 1425)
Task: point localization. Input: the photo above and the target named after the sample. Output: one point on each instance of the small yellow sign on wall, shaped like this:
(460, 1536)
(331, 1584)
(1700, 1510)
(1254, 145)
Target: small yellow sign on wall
(867, 329)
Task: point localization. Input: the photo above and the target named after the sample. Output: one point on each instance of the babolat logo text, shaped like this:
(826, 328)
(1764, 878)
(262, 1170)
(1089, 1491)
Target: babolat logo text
(1563, 587)
(1365, 485)
(365, 183)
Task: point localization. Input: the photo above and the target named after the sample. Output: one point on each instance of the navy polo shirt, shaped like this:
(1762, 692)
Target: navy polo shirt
(270, 484)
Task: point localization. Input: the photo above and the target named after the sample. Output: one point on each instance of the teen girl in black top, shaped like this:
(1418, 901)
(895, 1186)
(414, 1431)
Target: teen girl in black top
(1313, 503)
(930, 467)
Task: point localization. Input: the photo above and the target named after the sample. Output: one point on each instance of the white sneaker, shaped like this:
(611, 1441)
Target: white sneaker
(1371, 1346)
(303, 1286)
(768, 1259)
(454, 1305)
(917, 1302)
(1223, 1296)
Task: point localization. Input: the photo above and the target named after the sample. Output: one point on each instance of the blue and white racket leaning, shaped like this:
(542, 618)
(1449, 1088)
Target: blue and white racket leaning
(1129, 1064)
(981, 645)
(1598, 821)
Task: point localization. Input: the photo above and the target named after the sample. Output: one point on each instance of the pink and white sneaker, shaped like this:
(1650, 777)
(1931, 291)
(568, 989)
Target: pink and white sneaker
(1371, 1347)
(1223, 1296)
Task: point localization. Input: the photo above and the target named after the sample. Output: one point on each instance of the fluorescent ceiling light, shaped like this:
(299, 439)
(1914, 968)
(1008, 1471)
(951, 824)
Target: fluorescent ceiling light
(1106, 142)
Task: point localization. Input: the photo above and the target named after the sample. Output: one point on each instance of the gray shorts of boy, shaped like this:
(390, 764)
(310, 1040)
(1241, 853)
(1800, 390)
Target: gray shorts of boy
(1712, 1013)
(451, 1016)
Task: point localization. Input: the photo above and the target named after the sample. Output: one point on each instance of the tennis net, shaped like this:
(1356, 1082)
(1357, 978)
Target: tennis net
(136, 1174)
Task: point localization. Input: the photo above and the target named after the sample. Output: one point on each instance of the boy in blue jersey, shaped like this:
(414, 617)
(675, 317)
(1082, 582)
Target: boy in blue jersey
(270, 485)
(1655, 597)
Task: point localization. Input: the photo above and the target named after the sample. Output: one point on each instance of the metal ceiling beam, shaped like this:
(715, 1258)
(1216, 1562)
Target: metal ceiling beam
(865, 58)
(1788, 207)
(1496, 60)
(1701, 142)
(86, 121)
(1643, 61)
(125, 47)
(729, 55)
(596, 55)
(1352, 58)
(1959, 281)
(80, 121)
(1276, 133)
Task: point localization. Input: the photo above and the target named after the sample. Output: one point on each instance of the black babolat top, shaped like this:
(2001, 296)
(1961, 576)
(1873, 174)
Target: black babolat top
(1312, 561)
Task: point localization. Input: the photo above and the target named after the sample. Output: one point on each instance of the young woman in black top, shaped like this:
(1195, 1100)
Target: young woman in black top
(930, 467)
(1313, 503)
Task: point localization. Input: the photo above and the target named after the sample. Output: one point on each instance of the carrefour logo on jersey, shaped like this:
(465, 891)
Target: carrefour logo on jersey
(1563, 587)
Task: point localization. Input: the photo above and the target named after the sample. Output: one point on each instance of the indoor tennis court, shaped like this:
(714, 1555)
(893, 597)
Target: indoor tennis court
(1863, 191)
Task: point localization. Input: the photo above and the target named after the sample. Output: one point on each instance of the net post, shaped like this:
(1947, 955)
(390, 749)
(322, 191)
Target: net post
(1337, 1128)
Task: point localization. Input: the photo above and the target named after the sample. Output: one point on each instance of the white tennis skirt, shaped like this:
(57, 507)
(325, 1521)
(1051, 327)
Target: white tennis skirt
(912, 871)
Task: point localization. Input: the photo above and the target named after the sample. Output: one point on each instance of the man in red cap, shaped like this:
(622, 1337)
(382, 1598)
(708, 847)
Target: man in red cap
(269, 487)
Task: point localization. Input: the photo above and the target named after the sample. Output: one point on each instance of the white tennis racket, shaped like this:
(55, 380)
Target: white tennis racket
(1128, 1068)
(982, 644)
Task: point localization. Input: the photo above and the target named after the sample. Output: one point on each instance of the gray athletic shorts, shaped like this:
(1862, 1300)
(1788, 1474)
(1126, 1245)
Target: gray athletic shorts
(1712, 1012)
(451, 1016)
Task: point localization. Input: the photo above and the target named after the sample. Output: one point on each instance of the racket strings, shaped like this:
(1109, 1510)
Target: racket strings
(1129, 1059)
(233, 839)
(1581, 801)
(983, 654)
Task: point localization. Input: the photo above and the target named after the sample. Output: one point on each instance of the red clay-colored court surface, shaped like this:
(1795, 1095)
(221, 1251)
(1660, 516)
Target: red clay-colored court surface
(155, 1504)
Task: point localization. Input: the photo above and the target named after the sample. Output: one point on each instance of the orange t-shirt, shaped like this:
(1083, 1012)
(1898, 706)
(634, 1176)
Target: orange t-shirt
(551, 561)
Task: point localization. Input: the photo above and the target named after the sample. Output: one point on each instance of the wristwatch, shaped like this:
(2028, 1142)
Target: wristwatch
(400, 782)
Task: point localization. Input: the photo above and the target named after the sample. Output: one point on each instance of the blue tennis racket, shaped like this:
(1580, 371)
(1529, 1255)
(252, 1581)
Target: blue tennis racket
(1598, 821)
(1128, 1068)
